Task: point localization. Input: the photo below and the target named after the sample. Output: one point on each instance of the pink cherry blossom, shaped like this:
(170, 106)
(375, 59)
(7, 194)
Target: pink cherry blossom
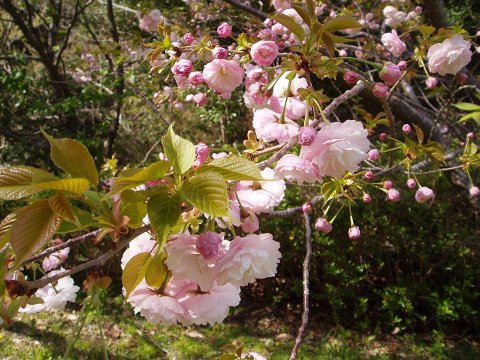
(338, 147)
(350, 77)
(261, 196)
(268, 127)
(393, 43)
(431, 82)
(223, 76)
(182, 67)
(450, 56)
(224, 30)
(142, 243)
(424, 194)
(149, 22)
(264, 52)
(249, 258)
(294, 107)
(219, 52)
(354, 233)
(393, 195)
(390, 73)
(294, 168)
(196, 78)
(306, 135)
(54, 260)
(411, 184)
(207, 244)
(380, 90)
(322, 225)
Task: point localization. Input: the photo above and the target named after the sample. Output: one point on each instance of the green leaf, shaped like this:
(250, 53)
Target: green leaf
(475, 116)
(84, 220)
(426, 30)
(233, 168)
(6, 227)
(73, 157)
(471, 148)
(290, 24)
(179, 151)
(75, 185)
(136, 213)
(328, 42)
(61, 206)
(157, 272)
(207, 192)
(134, 271)
(134, 177)
(303, 14)
(34, 227)
(420, 134)
(467, 106)
(16, 181)
(341, 23)
(164, 211)
(434, 151)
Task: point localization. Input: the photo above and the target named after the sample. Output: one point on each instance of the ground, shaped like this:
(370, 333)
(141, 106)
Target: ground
(126, 336)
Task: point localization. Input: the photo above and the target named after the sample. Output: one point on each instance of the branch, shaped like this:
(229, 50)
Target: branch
(306, 287)
(260, 14)
(67, 243)
(101, 260)
(294, 210)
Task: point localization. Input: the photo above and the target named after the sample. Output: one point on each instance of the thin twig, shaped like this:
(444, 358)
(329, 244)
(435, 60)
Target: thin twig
(306, 287)
(61, 246)
(294, 210)
(249, 9)
(101, 260)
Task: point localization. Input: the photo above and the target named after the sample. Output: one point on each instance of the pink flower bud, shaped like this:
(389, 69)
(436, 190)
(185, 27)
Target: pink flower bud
(350, 77)
(411, 184)
(402, 65)
(354, 233)
(424, 194)
(461, 78)
(373, 155)
(224, 30)
(220, 52)
(182, 67)
(390, 73)
(366, 198)
(418, 10)
(393, 195)
(474, 191)
(470, 136)
(264, 52)
(369, 175)
(201, 153)
(307, 207)
(382, 136)
(196, 78)
(266, 34)
(306, 135)
(200, 99)
(250, 224)
(322, 225)
(188, 38)
(431, 82)
(342, 53)
(388, 184)
(380, 90)
(207, 244)
(406, 128)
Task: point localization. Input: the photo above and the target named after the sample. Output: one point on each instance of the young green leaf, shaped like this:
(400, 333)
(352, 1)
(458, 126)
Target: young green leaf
(179, 151)
(16, 181)
(134, 177)
(207, 192)
(61, 206)
(290, 24)
(134, 272)
(467, 106)
(34, 226)
(164, 211)
(157, 271)
(233, 168)
(73, 157)
(341, 23)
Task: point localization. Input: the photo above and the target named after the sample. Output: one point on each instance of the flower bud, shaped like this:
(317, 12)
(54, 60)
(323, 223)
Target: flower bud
(369, 175)
(250, 224)
(461, 78)
(388, 184)
(380, 90)
(411, 184)
(322, 225)
(402, 65)
(382, 136)
(188, 38)
(393, 195)
(406, 128)
(200, 99)
(373, 155)
(307, 207)
(207, 244)
(366, 198)
(224, 30)
(350, 77)
(431, 82)
(220, 52)
(182, 67)
(354, 233)
(470, 136)
(474, 191)
(306, 135)
(424, 194)
(390, 73)
(418, 9)
(196, 78)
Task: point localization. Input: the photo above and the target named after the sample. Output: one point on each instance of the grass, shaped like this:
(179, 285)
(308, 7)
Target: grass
(127, 336)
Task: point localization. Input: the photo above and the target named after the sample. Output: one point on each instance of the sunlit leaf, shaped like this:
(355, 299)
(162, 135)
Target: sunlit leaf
(290, 24)
(233, 168)
(164, 211)
(179, 151)
(134, 271)
(61, 206)
(157, 272)
(73, 157)
(341, 23)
